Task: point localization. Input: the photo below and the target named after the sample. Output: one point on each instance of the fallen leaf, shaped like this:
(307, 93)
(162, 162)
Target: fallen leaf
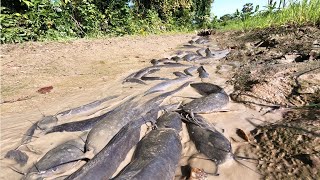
(242, 134)
(45, 90)
(198, 174)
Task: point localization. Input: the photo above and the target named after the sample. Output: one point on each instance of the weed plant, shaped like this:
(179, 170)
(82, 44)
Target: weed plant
(296, 13)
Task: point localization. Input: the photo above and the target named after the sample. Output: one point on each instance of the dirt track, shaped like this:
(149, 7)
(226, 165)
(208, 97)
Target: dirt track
(73, 66)
(86, 70)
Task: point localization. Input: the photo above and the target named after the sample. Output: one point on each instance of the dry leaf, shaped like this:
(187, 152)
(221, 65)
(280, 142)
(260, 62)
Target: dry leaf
(198, 174)
(45, 90)
(242, 134)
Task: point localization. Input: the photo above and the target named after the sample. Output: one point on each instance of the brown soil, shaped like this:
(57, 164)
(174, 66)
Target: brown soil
(280, 68)
(290, 148)
(75, 65)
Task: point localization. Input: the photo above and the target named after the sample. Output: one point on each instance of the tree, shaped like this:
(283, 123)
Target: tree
(198, 10)
(166, 9)
(226, 17)
(247, 8)
(202, 11)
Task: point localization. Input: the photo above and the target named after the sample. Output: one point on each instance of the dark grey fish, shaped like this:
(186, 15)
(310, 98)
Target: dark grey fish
(209, 141)
(201, 52)
(179, 52)
(86, 124)
(104, 130)
(189, 46)
(176, 58)
(135, 77)
(47, 122)
(191, 42)
(220, 54)
(129, 77)
(208, 53)
(145, 78)
(170, 107)
(53, 173)
(189, 70)
(202, 72)
(134, 80)
(190, 52)
(189, 57)
(29, 134)
(164, 85)
(83, 125)
(86, 107)
(140, 73)
(69, 151)
(207, 104)
(169, 65)
(18, 156)
(170, 120)
(106, 162)
(154, 61)
(166, 61)
(163, 59)
(207, 88)
(156, 156)
(146, 71)
(151, 71)
(201, 41)
(160, 98)
(179, 74)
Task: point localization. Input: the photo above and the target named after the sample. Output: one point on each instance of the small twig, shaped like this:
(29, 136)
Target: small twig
(297, 74)
(78, 24)
(17, 100)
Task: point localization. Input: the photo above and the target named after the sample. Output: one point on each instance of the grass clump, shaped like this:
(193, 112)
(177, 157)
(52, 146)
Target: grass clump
(296, 13)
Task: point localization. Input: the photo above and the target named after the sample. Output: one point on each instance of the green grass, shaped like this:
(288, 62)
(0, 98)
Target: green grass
(297, 13)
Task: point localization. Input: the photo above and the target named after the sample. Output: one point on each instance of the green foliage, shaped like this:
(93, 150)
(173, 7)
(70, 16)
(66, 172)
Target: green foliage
(44, 19)
(34, 20)
(87, 18)
(119, 18)
(38, 20)
(202, 8)
(296, 13)
(12, 27)
(17, 27)
(178, 10)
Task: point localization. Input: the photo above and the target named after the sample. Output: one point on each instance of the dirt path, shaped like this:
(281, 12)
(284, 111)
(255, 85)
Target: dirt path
(79, 71)
(87, 70)
(73, 66)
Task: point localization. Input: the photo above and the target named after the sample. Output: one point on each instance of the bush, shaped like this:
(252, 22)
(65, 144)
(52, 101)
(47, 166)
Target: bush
(34, 20)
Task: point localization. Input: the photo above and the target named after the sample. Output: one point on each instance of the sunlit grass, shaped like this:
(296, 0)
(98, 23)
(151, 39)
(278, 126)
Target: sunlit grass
(297, 13)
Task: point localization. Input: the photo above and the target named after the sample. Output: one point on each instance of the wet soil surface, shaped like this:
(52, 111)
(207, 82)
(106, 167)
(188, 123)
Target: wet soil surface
(290, 148)
(279, 66)
(267, 72)
(280, 71)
